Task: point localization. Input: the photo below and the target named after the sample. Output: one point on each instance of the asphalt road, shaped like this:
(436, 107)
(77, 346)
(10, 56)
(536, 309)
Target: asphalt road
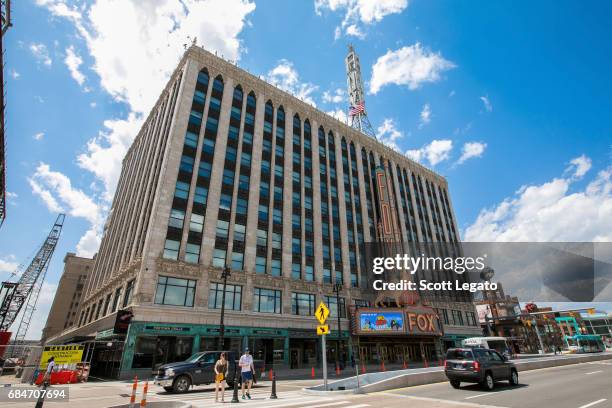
(574, 386)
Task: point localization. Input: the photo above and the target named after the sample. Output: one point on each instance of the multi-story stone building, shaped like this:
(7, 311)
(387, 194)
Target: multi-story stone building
(63, 312)
(229, 170)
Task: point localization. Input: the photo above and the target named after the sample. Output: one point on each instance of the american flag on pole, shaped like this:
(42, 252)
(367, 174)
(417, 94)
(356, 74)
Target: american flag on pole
(357, 109)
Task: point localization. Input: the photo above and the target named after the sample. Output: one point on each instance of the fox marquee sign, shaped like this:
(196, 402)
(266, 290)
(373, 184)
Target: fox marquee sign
(415, 321)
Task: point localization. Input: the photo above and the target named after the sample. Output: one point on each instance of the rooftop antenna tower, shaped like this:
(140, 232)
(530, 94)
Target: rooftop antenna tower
(358, 117)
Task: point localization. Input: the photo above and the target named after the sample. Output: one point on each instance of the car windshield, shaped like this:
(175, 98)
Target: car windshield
(194, 358)
(459, 355)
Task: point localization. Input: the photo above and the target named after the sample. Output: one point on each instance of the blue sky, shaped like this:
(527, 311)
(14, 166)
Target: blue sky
(521, 91)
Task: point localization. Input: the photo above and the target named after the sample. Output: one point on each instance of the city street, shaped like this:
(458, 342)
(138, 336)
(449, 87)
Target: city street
(574, 386)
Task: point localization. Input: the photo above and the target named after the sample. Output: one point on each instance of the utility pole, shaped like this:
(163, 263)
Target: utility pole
(224, 275)
(337, 289)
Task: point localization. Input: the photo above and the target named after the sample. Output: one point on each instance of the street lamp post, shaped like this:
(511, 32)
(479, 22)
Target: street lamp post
(337, 289)
(224, 275)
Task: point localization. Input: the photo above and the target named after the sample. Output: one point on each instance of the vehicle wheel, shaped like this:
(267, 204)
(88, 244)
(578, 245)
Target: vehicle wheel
(455, 383)
(168, 389)
(488, 382)
(514, 378)
(181, 384)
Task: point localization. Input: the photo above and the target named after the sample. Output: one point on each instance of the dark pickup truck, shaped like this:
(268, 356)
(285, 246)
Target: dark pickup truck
(198, 369)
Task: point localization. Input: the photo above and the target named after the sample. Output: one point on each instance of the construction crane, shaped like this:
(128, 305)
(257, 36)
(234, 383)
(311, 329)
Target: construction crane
(25, 292)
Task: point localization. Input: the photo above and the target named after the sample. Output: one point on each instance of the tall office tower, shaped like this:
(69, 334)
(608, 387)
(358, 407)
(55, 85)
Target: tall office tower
(230, 171)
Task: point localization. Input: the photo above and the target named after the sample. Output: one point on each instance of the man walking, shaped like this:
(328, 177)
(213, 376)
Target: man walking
(247, 369)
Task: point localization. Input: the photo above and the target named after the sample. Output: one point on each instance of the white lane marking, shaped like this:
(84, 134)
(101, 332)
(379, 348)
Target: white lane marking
(590, 404)
(479, 395)
(594, 372)
(329, 404)
(461, 403)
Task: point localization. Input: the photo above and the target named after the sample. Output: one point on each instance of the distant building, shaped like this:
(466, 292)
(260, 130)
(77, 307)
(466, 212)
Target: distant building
(68, 296)
(599, 323)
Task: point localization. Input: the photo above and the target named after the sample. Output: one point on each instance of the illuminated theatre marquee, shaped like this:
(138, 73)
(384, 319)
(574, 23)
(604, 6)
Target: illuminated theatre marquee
(411, 321)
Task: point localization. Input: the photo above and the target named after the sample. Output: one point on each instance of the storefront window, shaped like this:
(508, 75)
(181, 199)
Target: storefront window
(175, 292)
(267, 300)
(151, 351)
(233, 296)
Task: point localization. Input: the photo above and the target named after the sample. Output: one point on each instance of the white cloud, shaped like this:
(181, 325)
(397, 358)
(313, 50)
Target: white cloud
(286, 77)
(410, 65)
(579, 166)
(339, 114)
(78, 203)
(73, 61)
(336, 96)
(14, 74)
(105, 152)
(435, 152)
(337, 33)
(425, 116)
(39, 136)
(135, 46)
(471, 150)
(41, 54)
(550, 212)
(93, 104)
(360, 11)
(487, 103)
(8, 265)
(355, 31)
(388, 134)
(54, 187)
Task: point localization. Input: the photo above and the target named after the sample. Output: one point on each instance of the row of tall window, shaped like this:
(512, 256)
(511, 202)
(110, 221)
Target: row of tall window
(107, 304)
(181, 292)
(230, 229)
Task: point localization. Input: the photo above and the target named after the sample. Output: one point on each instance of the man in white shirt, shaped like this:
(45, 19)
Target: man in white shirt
(247, 369)
(50, 368)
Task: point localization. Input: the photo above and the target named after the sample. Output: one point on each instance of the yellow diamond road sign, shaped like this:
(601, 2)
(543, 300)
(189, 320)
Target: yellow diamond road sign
(322, 329)
(322, 313)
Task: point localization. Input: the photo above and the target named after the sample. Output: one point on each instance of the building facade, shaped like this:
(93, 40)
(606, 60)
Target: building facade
(229, 170)
(63, 312)
(599, 323)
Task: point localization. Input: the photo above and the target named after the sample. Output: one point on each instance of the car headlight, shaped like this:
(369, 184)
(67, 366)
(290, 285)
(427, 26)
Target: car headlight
(169, 372)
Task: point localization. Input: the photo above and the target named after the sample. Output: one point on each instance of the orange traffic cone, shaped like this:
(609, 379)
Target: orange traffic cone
(143, 401)
(363, 370)
(382, 366)
(133, 396)
(270, 375)
(404, 366)
(337, 370)
(312, 373)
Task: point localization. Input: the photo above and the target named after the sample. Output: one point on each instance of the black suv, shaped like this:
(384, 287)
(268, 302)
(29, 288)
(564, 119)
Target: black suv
(198, 369)
(478, 365)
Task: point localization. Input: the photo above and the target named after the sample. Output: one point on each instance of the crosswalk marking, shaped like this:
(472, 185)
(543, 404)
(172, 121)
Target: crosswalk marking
(261, 398)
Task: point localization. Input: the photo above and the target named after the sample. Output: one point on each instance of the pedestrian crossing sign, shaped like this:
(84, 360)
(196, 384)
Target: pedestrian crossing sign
(322, 329)
(322, 313)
